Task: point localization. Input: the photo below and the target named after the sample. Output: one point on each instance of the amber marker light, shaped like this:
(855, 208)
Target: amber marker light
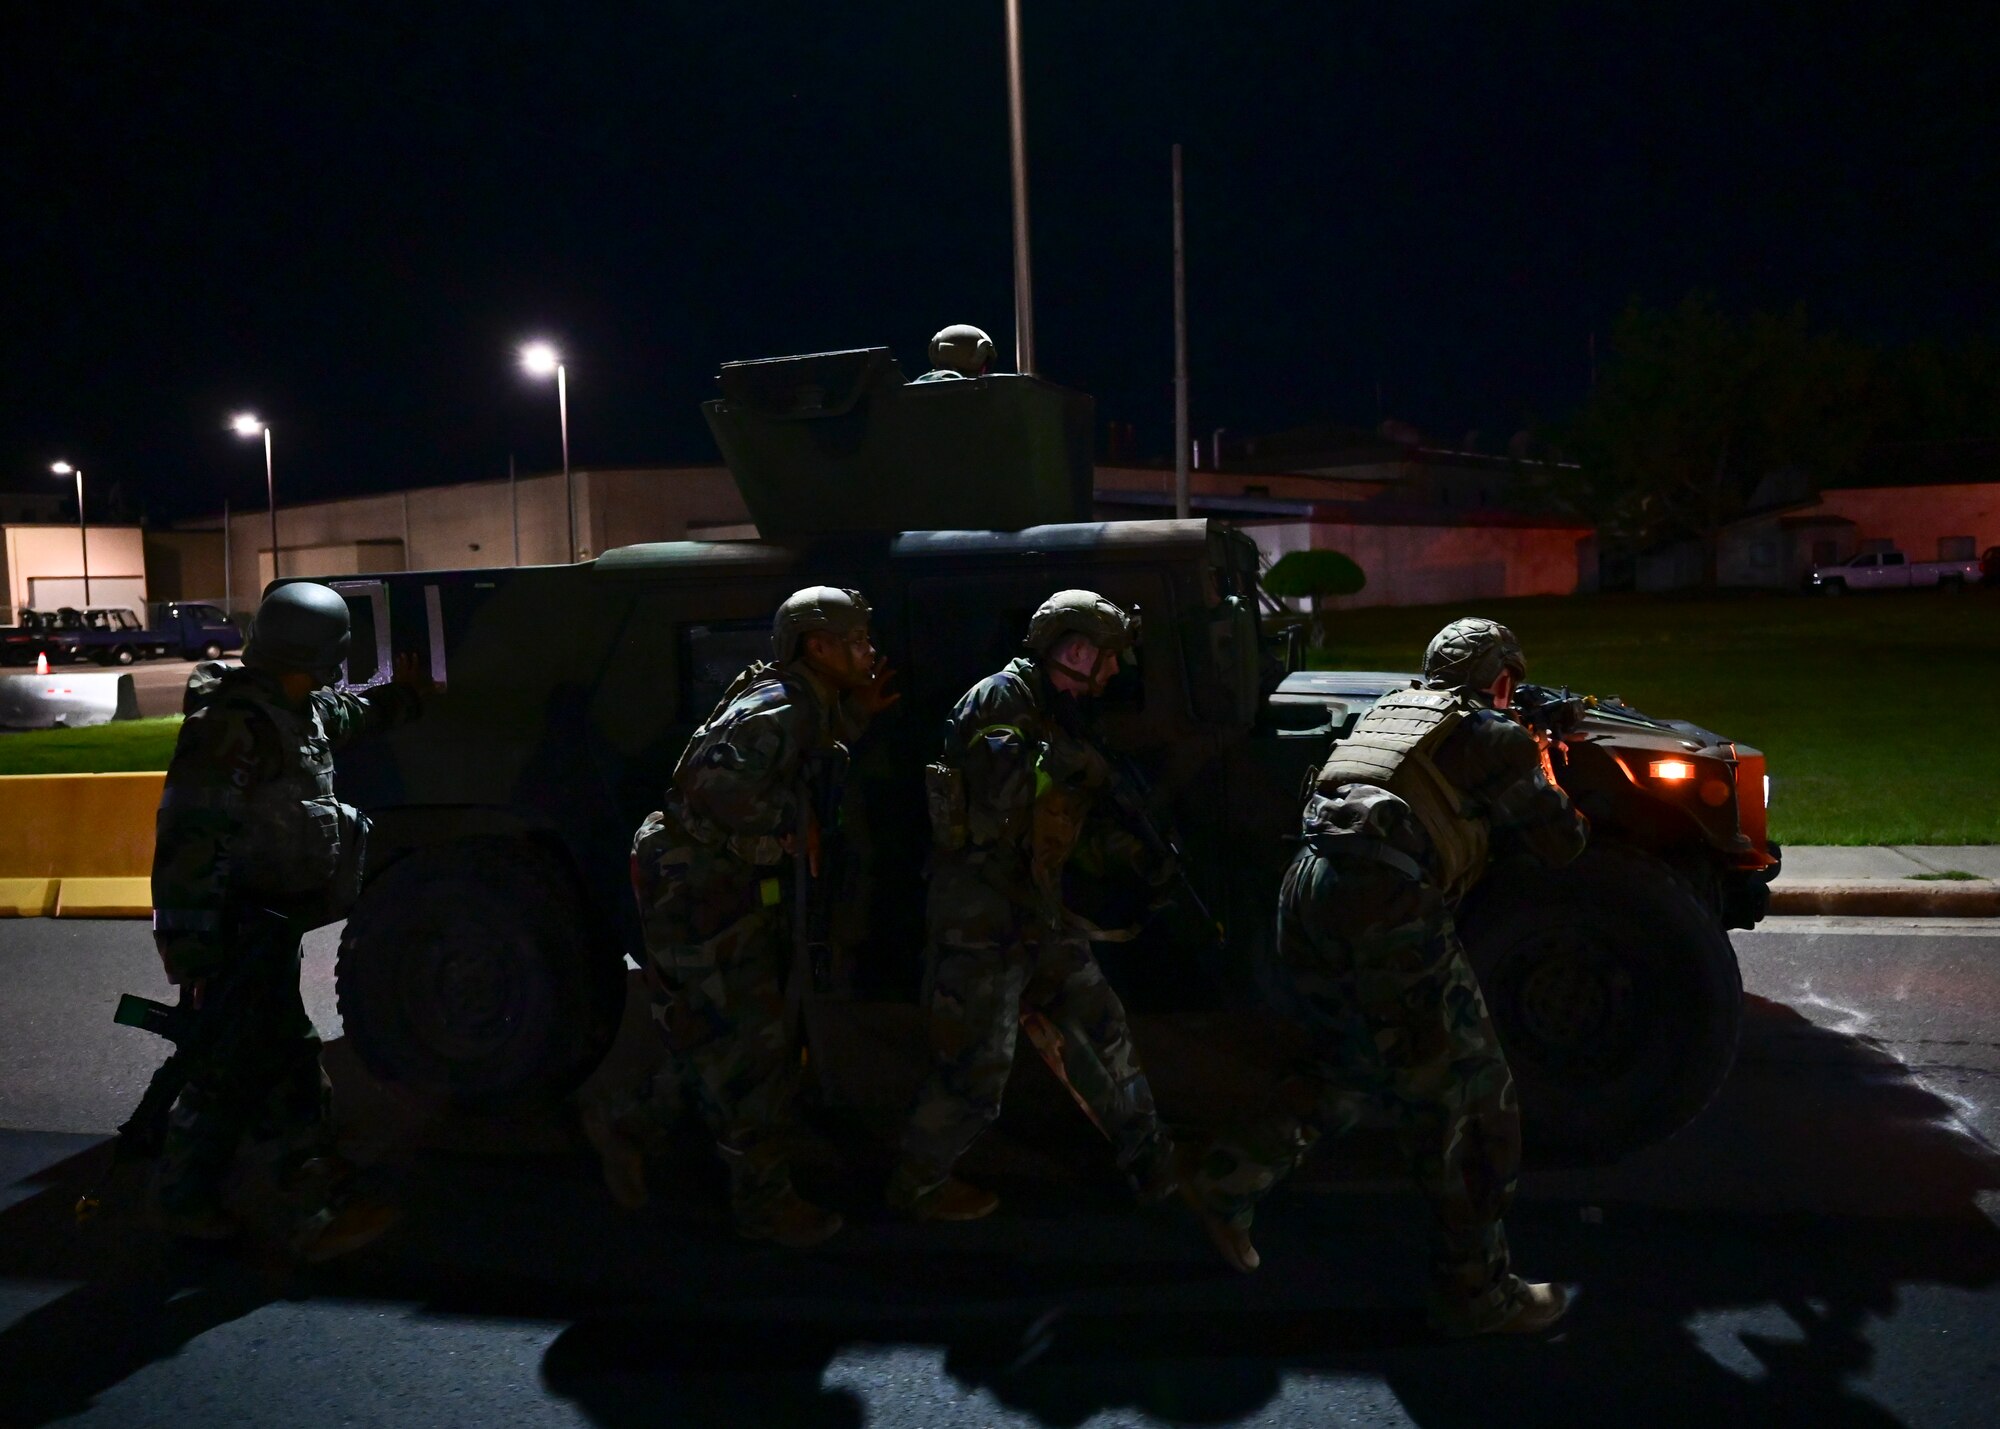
(1672, 771)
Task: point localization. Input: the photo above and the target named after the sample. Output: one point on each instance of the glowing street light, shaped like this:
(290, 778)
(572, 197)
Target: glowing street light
(246, 425)
(539, 359)
(63, 468)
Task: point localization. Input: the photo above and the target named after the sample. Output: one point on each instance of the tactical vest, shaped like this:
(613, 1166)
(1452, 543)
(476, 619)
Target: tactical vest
(1392, 747)
(1037, 816)
(298, 847)
(762, 850)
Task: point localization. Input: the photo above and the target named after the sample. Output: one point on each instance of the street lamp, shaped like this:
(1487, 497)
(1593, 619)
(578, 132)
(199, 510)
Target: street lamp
(63, 468)
(539, 359)
(245, 425)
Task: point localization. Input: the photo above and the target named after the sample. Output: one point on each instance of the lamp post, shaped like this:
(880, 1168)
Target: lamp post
(1017, 153)
(245, 425)
(63, 468)
(539, 359)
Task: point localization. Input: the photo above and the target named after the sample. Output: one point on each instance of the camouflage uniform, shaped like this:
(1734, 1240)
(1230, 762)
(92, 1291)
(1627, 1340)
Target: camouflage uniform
(251, 848)
(711, 879)
(1001, 942)
(1368, 964)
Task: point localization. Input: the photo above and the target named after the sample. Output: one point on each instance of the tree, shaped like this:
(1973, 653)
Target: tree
(1695, 407)
(1317, 576)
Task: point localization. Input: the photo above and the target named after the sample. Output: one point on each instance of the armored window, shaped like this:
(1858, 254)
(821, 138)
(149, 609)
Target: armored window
(1956, 548)
(368, 660)
(716, 654)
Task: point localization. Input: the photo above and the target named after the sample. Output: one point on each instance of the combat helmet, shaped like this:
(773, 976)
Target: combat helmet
(1469, 654)
(299, 629)
(817, 607)
(1081, 612)
(962, 348)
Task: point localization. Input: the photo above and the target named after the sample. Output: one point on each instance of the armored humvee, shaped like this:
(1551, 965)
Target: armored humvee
(486, 955)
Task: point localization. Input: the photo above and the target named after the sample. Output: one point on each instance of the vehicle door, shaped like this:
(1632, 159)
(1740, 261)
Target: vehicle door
(1895, 570)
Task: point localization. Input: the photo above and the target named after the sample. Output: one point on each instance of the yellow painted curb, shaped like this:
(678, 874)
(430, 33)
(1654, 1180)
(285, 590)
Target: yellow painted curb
(105, 898)
(28, 897)
(77, 845)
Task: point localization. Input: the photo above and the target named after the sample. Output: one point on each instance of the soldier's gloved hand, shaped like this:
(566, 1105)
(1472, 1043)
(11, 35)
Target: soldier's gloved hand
(876, 696)
(411, 673)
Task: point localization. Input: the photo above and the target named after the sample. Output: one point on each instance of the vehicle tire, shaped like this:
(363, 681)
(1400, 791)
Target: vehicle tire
(471, 970)
(211, 651)
(1952, 585)
(1616, 996)
(123, 655)
(1834, 587)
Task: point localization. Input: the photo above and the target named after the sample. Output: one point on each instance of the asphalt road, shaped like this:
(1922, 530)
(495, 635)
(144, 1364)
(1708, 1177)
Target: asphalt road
(1822, 1247)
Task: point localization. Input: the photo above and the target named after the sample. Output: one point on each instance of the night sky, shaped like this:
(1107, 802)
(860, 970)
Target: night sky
(347, 216)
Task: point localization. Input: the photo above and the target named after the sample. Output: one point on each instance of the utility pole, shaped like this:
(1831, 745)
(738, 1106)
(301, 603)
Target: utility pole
(514, 507)
(1017, 127)
(1183, 507)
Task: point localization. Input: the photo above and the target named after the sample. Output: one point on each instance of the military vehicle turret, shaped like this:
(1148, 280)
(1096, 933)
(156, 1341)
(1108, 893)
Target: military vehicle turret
(486, 955)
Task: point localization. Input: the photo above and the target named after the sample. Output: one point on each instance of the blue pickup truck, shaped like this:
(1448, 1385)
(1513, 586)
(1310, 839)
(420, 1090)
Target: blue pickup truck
(116, 636)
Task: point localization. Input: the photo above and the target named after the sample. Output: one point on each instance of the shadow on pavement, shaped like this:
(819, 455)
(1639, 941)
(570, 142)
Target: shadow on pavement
(1746, 1272)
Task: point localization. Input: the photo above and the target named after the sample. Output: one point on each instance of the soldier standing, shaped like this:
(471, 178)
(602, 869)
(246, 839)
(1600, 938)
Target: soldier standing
(251, 849)
(1011, 799)
(1400, 825)
(958, 351)
(710, 873)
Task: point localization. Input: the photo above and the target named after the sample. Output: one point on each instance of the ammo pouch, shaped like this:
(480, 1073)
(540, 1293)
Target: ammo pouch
(944, 797)
(351, 865)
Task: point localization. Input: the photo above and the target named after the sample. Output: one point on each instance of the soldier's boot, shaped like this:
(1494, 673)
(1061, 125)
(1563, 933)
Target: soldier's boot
(1231, 1241)
(1155, 1174)
(791, 1221)
(197, 1220)
(341, 1226)
(916, 1195)
(1540, 1308)
(619, 1156)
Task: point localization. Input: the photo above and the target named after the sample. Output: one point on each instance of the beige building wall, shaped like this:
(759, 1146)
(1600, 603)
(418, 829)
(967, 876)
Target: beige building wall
(482, 523)
(37, 556)
(1916, 518)
(184, 565)
(1435, 565)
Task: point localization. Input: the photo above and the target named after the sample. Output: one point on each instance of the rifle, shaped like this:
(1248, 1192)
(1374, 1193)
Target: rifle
(1128, 796)
(815, 851)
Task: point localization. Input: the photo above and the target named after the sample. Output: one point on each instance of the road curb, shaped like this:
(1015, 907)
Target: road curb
(1886, 898)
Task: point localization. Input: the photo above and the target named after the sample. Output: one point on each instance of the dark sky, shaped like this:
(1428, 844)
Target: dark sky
(347, 216)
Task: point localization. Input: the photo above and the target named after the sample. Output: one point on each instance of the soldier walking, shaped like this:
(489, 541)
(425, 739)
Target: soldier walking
(252, 848)
(711, 871)
(1402, 820)
(1012, 798)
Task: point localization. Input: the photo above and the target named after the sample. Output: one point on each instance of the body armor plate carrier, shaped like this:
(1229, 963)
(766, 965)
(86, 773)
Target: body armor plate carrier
(1392, 748)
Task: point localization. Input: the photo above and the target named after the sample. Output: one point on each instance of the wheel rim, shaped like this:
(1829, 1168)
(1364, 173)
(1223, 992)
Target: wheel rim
(464, 992)
(1575, 1004)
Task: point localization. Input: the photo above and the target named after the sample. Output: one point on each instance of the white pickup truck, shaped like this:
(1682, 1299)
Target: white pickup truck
(1886, 570)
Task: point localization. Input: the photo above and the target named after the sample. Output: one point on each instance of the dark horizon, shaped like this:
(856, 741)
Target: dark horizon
(347, 224)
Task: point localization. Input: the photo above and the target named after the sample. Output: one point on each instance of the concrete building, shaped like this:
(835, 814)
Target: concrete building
(1424, 531)
(42, 567)
(482, 523)
(1933, 501)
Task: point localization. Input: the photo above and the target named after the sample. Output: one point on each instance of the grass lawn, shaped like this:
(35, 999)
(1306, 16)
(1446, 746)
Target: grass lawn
(132, 744)
(1880, 713)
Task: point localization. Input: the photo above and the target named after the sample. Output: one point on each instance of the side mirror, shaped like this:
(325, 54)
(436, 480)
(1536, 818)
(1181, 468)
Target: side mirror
(1286, 648)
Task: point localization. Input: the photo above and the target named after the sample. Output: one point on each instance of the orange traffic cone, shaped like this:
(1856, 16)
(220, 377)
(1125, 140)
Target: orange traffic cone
(42, 663)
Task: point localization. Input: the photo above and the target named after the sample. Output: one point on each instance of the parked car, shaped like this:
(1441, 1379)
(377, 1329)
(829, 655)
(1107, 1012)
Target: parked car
(1891, 570)
(116, 636)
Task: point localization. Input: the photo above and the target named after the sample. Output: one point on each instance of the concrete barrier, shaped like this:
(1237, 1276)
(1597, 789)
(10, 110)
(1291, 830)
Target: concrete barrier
(77, 845)
(66, 699)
